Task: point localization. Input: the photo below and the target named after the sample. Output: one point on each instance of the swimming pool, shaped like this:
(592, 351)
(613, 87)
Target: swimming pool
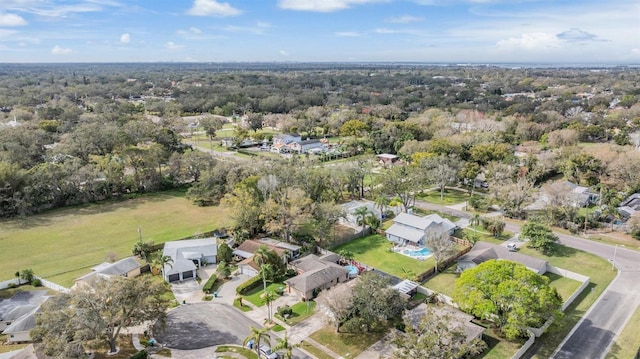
(353, 270)
(422, 252)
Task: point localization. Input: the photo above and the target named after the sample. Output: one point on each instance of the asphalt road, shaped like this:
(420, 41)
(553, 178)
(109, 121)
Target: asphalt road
(594, 335)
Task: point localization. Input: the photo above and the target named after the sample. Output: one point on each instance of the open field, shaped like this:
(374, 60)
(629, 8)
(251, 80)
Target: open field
(374, 251)
(63, 244)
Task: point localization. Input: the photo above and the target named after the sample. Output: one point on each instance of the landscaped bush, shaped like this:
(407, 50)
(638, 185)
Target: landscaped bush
(36, 282)
(285, 311)
(212, 284)
(248, 285)
(140, 355)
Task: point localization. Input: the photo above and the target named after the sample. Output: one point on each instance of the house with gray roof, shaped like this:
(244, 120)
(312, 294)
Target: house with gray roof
(483, 251)
(188, 255)
(411, 229)
(20, 330)
(127, 267)
(456, 318)
(17, 314)
(314, 275)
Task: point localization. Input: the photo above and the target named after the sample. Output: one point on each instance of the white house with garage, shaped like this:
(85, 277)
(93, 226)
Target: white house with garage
(188, 255)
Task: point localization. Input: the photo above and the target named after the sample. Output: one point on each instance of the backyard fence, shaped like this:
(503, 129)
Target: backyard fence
(53, 286)
(8, 283)
(424, 276)
(525, 346)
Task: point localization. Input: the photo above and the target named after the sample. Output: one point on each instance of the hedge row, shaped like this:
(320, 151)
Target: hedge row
(212, 284)
(248, 285)
(140, 355)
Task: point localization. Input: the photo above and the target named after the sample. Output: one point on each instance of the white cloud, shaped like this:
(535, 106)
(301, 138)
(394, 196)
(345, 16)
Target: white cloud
(531, 41)
(173, 46)
(6, 33)
(125, 38)
(323, 5)
(59, 50)
(404, 19)
(348, 34)
(576, 35)
(283, 53)
(12, 20)
(212, 7)
(255, 30)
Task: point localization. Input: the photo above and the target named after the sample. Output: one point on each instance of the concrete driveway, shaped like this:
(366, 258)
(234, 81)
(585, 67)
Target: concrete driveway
(201, 325)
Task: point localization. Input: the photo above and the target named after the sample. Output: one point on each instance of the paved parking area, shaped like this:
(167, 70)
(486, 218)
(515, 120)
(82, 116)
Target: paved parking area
(32, 297)
(201, 325)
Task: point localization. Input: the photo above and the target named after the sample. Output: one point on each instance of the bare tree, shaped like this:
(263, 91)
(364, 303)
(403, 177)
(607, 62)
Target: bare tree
(440, 244)
(337, 302)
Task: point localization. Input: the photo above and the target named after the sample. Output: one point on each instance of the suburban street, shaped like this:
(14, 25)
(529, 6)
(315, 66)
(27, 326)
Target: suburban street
(595, 333)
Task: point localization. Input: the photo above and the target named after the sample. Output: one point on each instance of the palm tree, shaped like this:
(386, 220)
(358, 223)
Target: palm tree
(361, 213)
(269, 298)
(257, 335)
(260, 258)
(382, 202)
(266, 271)
(285, 344)
(475, 221)
(159, 261)
(346, 255)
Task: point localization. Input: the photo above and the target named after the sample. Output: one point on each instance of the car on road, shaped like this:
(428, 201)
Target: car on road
(512, 247)
(265, 352)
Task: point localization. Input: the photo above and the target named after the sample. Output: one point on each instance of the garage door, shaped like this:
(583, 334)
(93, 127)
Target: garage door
(174, 277)
(188, 274)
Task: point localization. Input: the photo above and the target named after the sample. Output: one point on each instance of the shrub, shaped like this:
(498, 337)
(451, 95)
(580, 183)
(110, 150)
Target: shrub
(279, 291)
(212, 284)
(140, 355)
(285, 311)
(248, 285)
(13, 285)
(36, 282)
(207, 298)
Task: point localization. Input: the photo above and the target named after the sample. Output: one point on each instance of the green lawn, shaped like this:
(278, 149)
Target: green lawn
(628, 341)
(425, 212)
(444, 282)
(63, 244)
(301, 311)
(317, 352)
(374, 251)
(565, 286)
(498, 347)
(255, 295)
(451, 196)
(348, 345)
(234, 351)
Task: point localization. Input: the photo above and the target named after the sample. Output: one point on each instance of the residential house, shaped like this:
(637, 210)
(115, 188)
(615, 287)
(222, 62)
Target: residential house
(412, 229)
(386, 159)
(483, 251)
(314, 275)
(246, 250)
(629, 206)
(569, 192)
(128, 267)
(306, 146)
(187, 256)
(350, 208)
(17, 314)
(282, 141)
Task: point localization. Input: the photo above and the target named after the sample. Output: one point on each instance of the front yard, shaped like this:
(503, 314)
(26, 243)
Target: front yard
(254, 296)
(301, 311)
(376, 251)
(348, 345)
(451, 196)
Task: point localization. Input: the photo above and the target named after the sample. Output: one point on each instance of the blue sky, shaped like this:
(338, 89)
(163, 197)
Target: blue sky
(459, 31)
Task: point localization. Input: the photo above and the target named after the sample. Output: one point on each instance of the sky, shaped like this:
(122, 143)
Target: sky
(440, 31)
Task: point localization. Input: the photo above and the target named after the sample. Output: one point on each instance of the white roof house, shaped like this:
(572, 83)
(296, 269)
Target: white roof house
(186, 254)
(126, 267)
(409, 228)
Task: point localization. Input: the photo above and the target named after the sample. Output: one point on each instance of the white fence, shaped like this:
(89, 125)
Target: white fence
(53, 286)
(7, 283)
(571, 275)
(525, 346)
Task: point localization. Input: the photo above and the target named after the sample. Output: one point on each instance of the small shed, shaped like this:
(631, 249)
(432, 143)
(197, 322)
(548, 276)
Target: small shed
(387, 158)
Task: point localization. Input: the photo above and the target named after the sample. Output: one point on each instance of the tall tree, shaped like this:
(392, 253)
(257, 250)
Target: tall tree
(440, 244)
(509, 294)
(286, 211)
(100, 314)
(257, 336)
(540, 237)
(402, 182)
(435, 336)
(441, 171)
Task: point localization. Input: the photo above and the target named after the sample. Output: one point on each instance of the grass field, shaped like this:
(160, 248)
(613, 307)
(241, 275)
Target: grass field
(374, 251)
(628, 342)
(254, 296)
(348, 345)
(451, 196)
(63, 244)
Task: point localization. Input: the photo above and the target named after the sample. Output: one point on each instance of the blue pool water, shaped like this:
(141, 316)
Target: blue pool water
(423, 252)
(353, 270)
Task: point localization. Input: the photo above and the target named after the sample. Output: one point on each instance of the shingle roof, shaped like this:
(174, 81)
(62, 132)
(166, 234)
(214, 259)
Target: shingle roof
(252, 246)
(17, 312)
(405, 232)
(121, 267)
(317, 278)
(483, 251)
(24, 324)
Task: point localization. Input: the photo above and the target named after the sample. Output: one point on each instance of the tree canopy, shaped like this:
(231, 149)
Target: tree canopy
(508, 294)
